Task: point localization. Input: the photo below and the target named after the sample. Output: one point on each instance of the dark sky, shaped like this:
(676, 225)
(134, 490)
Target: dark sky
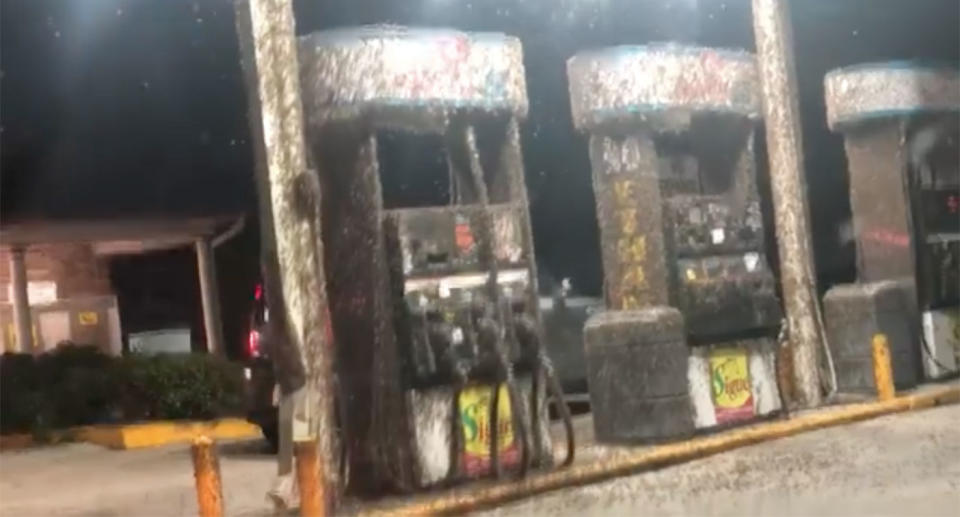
(121, 107)
(136, 107)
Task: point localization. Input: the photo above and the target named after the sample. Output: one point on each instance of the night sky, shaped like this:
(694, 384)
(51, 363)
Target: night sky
(129, 108)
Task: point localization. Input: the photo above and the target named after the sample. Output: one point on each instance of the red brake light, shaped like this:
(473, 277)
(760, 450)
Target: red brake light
(258, 292)
(253, 344)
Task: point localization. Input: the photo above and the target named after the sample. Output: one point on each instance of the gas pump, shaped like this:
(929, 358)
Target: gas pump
(671, 146)
(434, 298)
(900, 123)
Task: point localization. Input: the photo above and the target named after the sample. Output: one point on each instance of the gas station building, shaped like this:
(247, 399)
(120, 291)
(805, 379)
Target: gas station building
(55, 279)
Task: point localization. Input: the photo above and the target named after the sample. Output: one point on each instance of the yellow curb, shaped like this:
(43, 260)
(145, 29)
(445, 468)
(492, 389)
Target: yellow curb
(133, 436)
(153, 434)
(15, 441)
(10, 442)
(464, 500)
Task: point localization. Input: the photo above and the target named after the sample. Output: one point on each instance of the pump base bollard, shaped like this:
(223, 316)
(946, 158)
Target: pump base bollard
(882, 369)
(206, 472)
(312, 496)
(854, 314)
(637, 372)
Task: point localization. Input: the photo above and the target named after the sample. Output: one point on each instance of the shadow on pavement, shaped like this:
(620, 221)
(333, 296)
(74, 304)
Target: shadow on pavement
(256, 448)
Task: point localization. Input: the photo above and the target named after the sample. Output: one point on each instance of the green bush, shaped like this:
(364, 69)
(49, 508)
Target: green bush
(182, 386)
(21, 402)
(77, 385)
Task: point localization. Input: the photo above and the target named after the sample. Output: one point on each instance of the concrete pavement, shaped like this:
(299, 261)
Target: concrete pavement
(87, 480)
(905, 464)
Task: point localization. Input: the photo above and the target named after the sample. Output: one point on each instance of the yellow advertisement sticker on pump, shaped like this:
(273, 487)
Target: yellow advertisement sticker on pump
(730, 383)
(474, 404)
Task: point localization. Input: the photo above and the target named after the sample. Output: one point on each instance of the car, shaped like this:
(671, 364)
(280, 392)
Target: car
(261, 390)
(563, 319)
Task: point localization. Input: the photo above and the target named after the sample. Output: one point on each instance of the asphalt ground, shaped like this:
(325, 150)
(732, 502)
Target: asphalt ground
(903, 464)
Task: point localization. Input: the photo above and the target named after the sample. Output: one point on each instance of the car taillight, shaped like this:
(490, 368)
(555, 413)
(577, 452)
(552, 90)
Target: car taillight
(253, 344)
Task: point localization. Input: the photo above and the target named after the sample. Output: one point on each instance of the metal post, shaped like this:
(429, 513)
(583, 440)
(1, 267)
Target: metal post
(882, 368)
(210, 296)
(294, 267)
(289, 372)
(311, 489)
(21, 302)
(206, 474)
(775, 61)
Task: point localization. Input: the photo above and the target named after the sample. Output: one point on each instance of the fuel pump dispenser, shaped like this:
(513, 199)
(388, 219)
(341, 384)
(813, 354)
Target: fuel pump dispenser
(671, 147)
(900, 123)
(434, 301)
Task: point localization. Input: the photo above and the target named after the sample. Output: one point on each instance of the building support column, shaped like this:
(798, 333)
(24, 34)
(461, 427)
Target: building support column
(210, 295)
(21, 302)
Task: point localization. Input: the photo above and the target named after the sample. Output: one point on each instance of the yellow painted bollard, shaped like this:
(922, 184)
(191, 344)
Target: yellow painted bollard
(882, 368)
(206, 472)
(312, 493)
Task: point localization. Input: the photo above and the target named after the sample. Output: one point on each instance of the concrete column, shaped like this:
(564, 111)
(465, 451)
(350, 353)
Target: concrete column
(21, 303)
(880, 203)
(627, 190)
(210, 294)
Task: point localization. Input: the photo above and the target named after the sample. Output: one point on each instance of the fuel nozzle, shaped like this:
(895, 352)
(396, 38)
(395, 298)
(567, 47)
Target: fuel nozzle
(452, 357)
(532, 352)
(527, 335)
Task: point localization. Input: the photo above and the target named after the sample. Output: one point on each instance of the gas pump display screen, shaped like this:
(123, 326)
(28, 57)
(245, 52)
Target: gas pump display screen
(941, 211)
(413, 169)
(940, 254)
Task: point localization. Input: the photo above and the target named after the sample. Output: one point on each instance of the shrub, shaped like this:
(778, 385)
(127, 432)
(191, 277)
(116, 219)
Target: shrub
(77, 385)
(181, 386)
(21, 402)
